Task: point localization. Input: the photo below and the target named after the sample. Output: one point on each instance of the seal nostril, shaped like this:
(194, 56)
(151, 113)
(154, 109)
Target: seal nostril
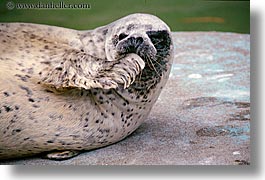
(139, 40)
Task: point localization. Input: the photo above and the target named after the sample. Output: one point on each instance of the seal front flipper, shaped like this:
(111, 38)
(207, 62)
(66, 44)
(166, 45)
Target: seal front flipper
(76, 69)
(62, 155)
(126, 70)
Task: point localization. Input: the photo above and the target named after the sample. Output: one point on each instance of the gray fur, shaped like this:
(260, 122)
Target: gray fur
(68, 90)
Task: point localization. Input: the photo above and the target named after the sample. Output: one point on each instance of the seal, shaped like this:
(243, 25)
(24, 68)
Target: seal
(64, 91)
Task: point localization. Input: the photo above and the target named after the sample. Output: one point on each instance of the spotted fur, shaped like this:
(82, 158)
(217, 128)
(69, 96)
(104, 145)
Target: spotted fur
(64, 91)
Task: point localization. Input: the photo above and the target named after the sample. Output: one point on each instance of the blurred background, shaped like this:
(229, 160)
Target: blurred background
(180, 15)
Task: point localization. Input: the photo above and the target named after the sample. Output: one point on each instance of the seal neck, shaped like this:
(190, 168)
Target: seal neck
(94, 42)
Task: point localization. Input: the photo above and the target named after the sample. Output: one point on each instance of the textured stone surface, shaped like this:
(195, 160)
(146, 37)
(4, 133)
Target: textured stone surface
(202, 116)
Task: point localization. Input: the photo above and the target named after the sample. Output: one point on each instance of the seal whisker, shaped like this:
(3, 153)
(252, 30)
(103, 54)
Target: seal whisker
(148, 63)
(157, 42)
(148, 59)
(159, 56)
(158, 64)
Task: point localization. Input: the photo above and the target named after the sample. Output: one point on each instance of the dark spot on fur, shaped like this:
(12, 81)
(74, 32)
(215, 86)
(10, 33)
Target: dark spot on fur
(50, 141)
(46, 62)
(23, 78)
(109, 92)
(128, 117)
(142, 93)
(29, 92)
(130, 27)
(32, 36)
(20, 64)
(16, 131)
(35, 106)
(30, 70)
(59, 68)
(105, 31)
(7, 108)
(6, 94)
(48, 91)
(31, 100)
(74, 136)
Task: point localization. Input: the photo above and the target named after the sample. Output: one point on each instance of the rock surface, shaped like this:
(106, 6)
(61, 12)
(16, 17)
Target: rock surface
(202, 116)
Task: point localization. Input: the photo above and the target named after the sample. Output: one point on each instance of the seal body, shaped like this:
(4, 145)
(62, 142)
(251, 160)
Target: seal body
(63, 90)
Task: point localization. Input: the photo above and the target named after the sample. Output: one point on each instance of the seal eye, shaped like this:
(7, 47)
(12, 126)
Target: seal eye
(122, 36)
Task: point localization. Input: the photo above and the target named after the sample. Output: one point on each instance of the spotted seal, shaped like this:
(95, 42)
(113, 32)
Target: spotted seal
(64, 91)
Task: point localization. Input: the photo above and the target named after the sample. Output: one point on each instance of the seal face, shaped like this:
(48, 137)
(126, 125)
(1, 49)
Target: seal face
(132, 34)
(80, 90)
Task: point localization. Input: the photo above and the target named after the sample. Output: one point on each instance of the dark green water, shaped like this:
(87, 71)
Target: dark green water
(180, 15)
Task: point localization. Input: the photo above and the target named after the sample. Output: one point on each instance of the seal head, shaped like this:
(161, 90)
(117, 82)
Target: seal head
(132, 34)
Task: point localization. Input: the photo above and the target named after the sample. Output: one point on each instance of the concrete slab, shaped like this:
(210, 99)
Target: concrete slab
(202, 116)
